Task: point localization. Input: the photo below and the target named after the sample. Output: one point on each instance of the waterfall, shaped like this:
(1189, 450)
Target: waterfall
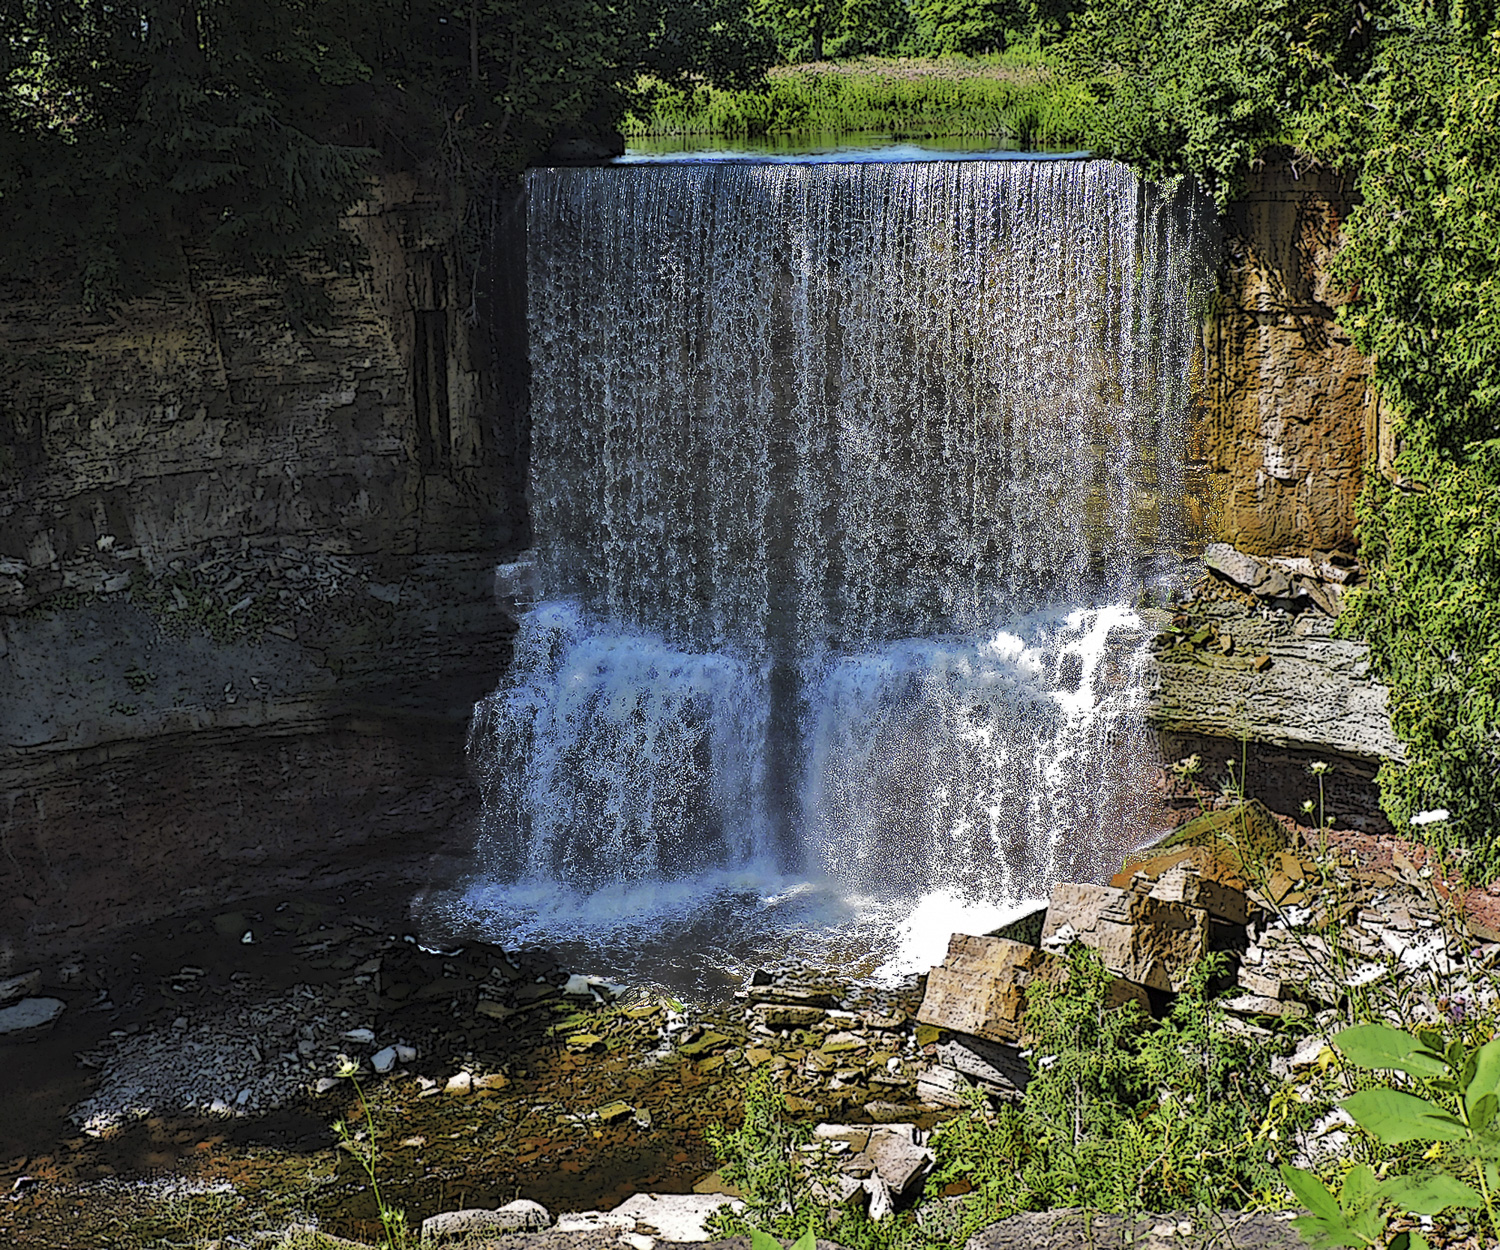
(843, 478)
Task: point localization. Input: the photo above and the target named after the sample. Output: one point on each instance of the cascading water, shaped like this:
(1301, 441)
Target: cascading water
(841, 476)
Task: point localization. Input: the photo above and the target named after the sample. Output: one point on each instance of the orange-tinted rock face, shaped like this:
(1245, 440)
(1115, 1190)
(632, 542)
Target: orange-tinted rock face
(1287, 419)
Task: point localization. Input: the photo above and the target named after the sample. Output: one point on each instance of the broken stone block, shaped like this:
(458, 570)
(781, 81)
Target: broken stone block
(1184, 884)
(898, 1160)
(781, 1016)
(980, 988)
(1244, 570)
(1256, 1005)
(942, 1086)
(1142, 939)
(675, 1217)
(1258, 983)
(998, 1068)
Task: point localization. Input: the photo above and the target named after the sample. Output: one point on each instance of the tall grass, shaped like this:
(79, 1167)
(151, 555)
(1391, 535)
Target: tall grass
(1018, 104)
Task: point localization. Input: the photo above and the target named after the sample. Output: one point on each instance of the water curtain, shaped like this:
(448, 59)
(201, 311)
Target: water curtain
(843, 478)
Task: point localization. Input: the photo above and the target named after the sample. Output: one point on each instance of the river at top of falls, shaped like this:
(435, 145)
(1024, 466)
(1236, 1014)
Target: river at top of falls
(843, 478)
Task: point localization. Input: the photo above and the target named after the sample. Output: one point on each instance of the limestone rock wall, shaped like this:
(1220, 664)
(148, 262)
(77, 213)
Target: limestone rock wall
(1287, 420)
(1285, 428)
(246, 567)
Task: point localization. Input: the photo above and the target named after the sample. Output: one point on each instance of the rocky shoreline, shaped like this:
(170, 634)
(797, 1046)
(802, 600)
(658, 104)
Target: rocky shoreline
(495, 1075)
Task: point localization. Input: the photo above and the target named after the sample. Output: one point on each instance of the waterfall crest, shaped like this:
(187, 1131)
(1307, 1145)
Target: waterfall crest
(841, 476)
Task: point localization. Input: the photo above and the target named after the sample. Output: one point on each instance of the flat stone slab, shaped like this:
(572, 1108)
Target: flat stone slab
(29, 1018)
(675, 1217)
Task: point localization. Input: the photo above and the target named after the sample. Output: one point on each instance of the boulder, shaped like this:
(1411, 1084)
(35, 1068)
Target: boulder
(675, 1217)
(1142, 939)
(980, 988)
(29, 1018)
(1236, 566)
(520, 1216)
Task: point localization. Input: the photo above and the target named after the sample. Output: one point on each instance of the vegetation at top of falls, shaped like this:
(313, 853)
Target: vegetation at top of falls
(1006, 97)
(129, 128)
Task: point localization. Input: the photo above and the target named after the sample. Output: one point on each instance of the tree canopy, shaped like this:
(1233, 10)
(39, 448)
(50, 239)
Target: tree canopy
(124, 123)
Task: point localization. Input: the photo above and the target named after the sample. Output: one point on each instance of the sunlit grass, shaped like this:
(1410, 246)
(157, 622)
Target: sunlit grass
(1014, 99)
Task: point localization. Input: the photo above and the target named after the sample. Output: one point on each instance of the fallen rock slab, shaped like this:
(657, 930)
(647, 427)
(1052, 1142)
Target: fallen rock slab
(520, 1216)
(675, 1217)
(997, 1068)
(29, 1019)
(1142, 939)
(980, 987)
(15, 988)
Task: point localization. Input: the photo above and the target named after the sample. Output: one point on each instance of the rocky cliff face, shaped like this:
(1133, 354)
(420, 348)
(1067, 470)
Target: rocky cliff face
(1287, 420)
(1286, 427)
(245, 570)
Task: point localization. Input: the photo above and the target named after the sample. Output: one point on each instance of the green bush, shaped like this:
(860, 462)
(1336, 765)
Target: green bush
(1422, 256)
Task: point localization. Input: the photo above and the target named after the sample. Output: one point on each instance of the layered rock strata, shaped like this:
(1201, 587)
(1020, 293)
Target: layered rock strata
(245, 571)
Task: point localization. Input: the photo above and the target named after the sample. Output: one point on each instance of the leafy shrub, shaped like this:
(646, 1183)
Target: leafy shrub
(1122, 1114)
(1422, 256)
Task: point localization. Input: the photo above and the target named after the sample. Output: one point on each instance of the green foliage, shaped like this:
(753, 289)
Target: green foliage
(760, 1159)
(1456, 1109)
(364, 1147)
(1422, 255)
(965, 27)
(1120, 1114)
(253, 125)
(1206, 87)
(1023, 107)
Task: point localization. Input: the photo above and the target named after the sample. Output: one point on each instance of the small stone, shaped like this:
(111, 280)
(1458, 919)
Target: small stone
(578, 986)
(364, 1037)
(242, 1098)
(384, 1060)
(406, 1054)
(459, 1083)
(493, 1080)
(325, 1085)
(783, 1016)
(638, 1241)
(12, 989)
(612, 1111)
(30, 1018)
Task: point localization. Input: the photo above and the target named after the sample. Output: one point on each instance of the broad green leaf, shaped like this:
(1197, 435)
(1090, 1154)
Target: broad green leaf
(1486, 1078)
(1396, 1117)
(1482, 1111)
(1431, 1195)
(1309, 1191)
(1360, 1189)
(1328, 1233)
(1378, 1047)
(763, 1241)
(1417, 1242)
(808, 1241)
